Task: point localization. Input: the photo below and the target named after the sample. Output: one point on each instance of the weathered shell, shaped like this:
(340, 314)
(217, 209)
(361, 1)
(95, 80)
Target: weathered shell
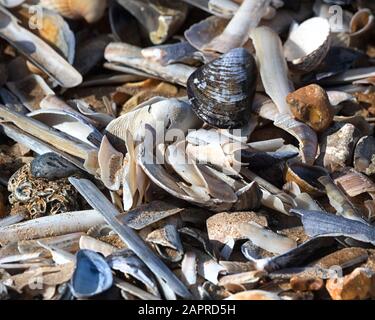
(361, 28)
(90, 10)
(364, 160)
(306, 177)
(221, 92)
(308, 44)
(92, 275)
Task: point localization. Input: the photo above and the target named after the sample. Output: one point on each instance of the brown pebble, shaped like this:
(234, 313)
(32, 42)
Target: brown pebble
(359, 285)
(311, 105)
(305, 283)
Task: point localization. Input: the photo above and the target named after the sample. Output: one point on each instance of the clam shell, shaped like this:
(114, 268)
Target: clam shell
(361, 28)
(221, 92)
(308, 44)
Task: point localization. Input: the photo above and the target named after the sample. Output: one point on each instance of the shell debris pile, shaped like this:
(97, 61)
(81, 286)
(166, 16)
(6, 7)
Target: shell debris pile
(194, 149)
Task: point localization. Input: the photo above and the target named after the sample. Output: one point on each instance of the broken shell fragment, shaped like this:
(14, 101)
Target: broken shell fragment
(311, 105)
(361, 28)
(221, 92)
(254, 295)
(340, 147)
(308, 44)
(306, 177)
(364, 159)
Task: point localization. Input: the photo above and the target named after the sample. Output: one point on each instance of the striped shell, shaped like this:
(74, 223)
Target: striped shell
(221, 92)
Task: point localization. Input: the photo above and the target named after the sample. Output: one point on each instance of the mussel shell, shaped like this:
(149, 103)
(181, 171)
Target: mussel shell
(306, 177)
(92, 275)
(222, 91)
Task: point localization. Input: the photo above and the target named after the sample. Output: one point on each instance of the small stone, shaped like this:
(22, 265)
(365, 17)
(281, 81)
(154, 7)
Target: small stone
(311, 105)
(359, 285)
(51, 166)
(340, 148)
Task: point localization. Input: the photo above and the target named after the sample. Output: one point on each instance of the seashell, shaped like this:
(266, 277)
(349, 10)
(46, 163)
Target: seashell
(110, 164)
(323, 224)
(189, 268)
(90, 10)
(51, 166)
(41, 54)
(128, 263)
(96, 199)
(64, 223)
(311, 105)
(11, 3)
(364, 155)
(92, 275)
(161, 18)
(222, 8)
(306, 177)
(172, 113)
(89, 243)
(308, 44)
(222, 91)
(254, 295)
(340, 147)
(273, 67)
(201, 33)
(148, 214)
(237, 31)
(71, 123)
(131, 56)
(355, 183)
(338, 200)
(361, 28)
(303, 283)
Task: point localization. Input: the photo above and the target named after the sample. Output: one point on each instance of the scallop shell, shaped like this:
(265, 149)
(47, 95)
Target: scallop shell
(308, 44)
(90, 10)
(221, 92)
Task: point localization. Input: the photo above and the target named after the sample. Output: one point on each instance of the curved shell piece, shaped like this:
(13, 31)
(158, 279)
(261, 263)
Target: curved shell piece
(90, 10)
(361, 28)
(221, 92)
(308, 44)
(38, 52)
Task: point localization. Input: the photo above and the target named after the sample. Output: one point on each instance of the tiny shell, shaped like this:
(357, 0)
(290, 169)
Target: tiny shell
(364, 160)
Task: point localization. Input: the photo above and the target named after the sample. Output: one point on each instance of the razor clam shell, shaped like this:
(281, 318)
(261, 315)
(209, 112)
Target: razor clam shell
(236, 33)
(30, 91)
(345, 258)
(40, 54)
(128, 263)
(148, 214)
(70, 123)
(272, 66)
(170, 53)
(221, 8)
(64, 223)
(132, 56)
(199, 237)
(320, 224)
(36, 145)
(59, 140)
(96, 199)
(208, 268)
(297, 256)
(13, 219)
(349, 77)
(307, 138)
(11, 101)
(11, 3)
(89, 243)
